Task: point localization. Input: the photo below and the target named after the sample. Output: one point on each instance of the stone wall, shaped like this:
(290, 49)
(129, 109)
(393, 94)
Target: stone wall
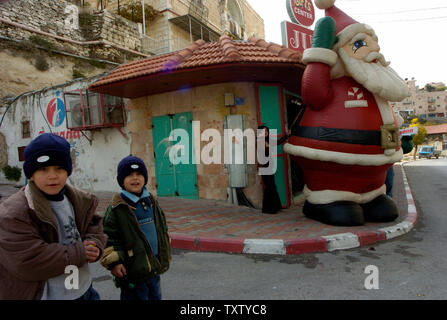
(30, 60)
(63, 19)
(254, 24)
(48, 16)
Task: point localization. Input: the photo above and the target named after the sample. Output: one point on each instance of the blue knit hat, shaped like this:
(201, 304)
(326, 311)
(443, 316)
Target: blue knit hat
(46, 150)
(128, 165)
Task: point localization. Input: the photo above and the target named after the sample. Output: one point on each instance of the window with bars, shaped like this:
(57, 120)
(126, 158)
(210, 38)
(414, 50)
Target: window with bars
(90, 110)
(26, 129)
(21, 153)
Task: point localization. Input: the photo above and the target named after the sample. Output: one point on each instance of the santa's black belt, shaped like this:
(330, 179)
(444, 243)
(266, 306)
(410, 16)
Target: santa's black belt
(363, 137)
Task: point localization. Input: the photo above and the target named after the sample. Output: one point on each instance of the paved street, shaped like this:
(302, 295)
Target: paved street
(410, 267)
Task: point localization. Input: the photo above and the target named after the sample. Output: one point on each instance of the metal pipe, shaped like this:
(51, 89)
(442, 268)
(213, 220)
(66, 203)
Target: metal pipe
(144, 18)
(190, 29)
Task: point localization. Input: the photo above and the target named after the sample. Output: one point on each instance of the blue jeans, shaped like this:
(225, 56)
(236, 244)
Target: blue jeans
(143, 290)
(90, 294)
(389, 181)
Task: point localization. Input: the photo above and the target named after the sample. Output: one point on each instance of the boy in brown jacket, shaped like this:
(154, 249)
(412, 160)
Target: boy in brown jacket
(47, 226)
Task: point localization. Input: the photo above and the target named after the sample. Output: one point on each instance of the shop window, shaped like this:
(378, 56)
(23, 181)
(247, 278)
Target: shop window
(444, 145)
(89, 110)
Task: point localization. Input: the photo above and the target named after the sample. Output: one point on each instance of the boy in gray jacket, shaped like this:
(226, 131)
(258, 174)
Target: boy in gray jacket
(47, 226)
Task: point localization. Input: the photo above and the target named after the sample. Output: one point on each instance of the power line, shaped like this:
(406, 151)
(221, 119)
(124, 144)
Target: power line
(410, 20)
(403, 11)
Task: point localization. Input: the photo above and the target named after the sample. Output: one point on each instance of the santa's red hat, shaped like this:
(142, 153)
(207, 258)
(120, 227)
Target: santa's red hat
(346, 27)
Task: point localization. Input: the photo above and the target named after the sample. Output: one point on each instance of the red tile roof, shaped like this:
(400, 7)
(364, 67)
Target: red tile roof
(199, 55)
(437, 129)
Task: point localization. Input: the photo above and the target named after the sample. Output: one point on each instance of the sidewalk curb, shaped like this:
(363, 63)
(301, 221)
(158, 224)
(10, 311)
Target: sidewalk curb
(328, 243)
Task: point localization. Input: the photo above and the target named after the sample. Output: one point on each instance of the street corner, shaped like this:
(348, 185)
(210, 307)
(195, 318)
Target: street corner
(311, 237)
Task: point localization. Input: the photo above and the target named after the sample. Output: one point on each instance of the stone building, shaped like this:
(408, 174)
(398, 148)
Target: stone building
(227, 84)
(181, 22)
(206, 87)
(424, 104)
(98, 140)
(437, 137)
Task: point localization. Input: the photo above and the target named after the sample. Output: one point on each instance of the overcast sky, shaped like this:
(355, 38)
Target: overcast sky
(412, 33)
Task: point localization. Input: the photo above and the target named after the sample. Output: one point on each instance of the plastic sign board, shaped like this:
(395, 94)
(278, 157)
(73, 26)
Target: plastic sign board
(408, 131)
(301, 12)
(296, 37)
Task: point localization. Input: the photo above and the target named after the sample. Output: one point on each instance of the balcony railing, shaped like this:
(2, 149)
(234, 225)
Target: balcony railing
(156, 46)
(198, 11)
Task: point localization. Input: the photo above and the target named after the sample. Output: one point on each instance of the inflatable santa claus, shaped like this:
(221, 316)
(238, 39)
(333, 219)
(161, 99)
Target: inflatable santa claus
(348, 136)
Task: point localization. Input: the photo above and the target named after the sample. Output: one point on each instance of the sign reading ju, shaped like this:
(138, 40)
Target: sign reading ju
(297, 36)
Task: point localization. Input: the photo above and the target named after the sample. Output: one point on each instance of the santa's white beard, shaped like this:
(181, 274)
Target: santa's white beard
(378, 77)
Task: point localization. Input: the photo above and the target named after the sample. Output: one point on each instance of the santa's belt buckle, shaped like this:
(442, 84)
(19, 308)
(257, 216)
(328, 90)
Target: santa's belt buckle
(389, 136)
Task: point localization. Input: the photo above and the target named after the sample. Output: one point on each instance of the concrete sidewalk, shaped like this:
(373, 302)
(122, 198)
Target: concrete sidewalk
(216, 226)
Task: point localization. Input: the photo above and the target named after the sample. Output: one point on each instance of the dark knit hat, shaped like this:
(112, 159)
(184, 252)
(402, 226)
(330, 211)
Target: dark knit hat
(128, 165)
(46, 150)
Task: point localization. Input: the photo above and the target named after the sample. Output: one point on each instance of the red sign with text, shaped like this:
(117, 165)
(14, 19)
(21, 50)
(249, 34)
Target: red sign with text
(296, 37)
(301, 12)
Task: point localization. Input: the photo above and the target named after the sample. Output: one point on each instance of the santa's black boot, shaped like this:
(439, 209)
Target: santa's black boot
(339, 213)
(381, 209)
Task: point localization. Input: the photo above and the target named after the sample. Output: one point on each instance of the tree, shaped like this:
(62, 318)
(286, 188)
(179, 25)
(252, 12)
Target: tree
(419, 138)
(428, 87)
(134, 12)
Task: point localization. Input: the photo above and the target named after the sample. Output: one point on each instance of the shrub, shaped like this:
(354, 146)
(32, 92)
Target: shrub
(41, 42)
(12, 173)
(77, 74)
(134, 12)
(41, 63)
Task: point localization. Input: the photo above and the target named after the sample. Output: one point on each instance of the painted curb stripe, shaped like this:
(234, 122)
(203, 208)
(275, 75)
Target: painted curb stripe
(397, 230)
(221, 245)
(306, 245)
(267, 246)
(179, 241)
(342, 241)
(370, 237)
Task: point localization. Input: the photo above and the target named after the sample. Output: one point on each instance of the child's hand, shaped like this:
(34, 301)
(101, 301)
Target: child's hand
(91, 251)
(119, 271)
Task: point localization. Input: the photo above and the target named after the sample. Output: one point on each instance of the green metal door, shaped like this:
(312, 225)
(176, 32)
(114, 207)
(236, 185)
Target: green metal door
(174, 180)
(271, 113)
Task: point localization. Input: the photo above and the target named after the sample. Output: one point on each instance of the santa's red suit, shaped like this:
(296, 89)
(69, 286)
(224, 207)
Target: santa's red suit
(339, 140)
